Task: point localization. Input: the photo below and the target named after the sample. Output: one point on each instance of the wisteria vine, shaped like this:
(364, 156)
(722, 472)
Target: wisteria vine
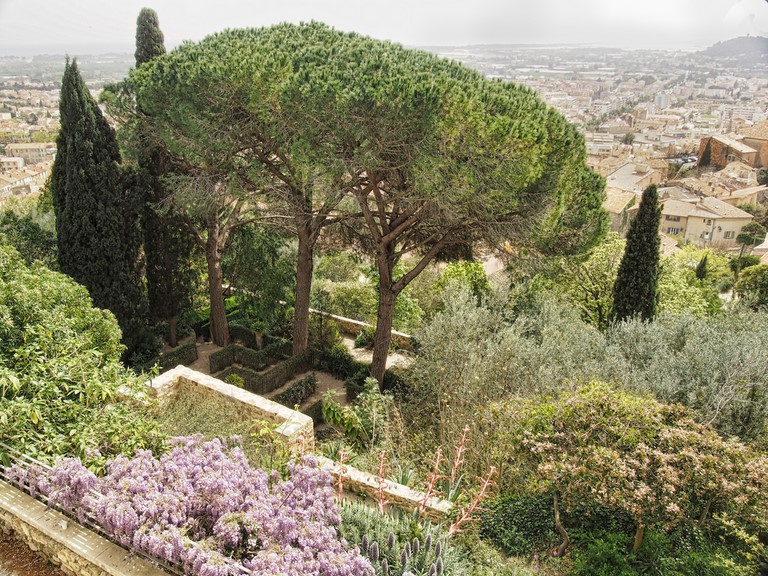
(202, 507)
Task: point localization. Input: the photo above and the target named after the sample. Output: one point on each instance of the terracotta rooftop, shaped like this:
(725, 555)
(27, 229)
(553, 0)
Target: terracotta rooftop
(759, 130)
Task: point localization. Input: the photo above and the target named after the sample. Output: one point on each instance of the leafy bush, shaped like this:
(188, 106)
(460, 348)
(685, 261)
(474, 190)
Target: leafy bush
(351, 299)
(202, 507)
(323, 332)
(470, 275)
(339, 267)
(363, 423)
(519, 524)
(338, 361)
(603, 554)
(364, 339)
(298, 392)
(235, 380)
(60, 370)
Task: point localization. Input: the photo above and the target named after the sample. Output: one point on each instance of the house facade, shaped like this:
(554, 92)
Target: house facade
(703, 221)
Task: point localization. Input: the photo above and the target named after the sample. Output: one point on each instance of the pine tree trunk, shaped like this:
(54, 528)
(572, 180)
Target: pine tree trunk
(304, 267)
(173, 340)
(383, 331)
(219, 325)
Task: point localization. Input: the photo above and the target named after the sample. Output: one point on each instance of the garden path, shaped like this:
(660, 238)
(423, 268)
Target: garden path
(204, 350)
(16, 559)
(395, 358)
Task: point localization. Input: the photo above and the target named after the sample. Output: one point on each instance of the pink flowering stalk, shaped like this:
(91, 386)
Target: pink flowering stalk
(467, 514)
(431, 486)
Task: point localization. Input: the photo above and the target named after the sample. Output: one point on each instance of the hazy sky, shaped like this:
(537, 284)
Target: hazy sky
(73, 25)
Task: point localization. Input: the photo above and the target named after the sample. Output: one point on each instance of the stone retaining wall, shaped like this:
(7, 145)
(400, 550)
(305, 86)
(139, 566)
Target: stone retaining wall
(293, 427)
(397, 495)
(298, 432)
(75, 550)
(353, 328)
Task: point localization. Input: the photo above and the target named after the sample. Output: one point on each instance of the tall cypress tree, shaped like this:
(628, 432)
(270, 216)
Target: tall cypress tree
(96, 212)
(149, 37)
(634, 293)
(167, 245)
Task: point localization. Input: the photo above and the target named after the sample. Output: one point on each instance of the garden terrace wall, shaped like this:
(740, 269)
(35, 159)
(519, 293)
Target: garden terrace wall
(358, 482)
(292, 427)
(298, 432)
(353, 328)
(75, 550)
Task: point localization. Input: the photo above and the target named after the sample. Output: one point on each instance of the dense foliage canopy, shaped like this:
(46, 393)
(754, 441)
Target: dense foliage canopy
(431, 153)
(97, 208)
(60, 369)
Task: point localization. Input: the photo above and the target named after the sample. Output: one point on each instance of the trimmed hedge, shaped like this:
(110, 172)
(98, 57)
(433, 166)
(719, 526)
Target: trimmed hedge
(222, 358)
(185, 354)
(263, 383)
(298, 392)
(253, 359)
(245, 335)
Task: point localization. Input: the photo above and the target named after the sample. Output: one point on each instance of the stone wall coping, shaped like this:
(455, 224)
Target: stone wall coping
(396, 494)
(352, 327)
(293, 423)
(45, 524)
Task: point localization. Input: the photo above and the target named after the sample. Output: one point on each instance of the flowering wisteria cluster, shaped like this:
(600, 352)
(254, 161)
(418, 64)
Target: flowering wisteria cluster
(202, 507)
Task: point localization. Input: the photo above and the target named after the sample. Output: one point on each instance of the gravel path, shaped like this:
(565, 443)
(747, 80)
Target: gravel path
(16, 559)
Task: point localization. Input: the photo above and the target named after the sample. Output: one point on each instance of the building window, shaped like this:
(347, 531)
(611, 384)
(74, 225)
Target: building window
(673, 230)
(672, 218)
(728, 235)
(707, 222)
(705, 235)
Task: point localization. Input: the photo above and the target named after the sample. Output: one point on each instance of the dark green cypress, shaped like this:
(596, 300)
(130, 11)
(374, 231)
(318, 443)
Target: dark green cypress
(168, 247)
(149, 37)
(97, 208)
(634, 293)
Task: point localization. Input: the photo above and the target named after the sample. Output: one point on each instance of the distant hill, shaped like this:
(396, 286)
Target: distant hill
(755, 47)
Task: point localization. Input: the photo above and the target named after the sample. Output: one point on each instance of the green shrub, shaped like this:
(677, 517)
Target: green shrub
(339, 267)
(323, 332)
(355, 384)
(603, 554)
(337, 361)
(364, 339)
(351, 299)
(519, 525)
(298, 392)
(235, 380)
